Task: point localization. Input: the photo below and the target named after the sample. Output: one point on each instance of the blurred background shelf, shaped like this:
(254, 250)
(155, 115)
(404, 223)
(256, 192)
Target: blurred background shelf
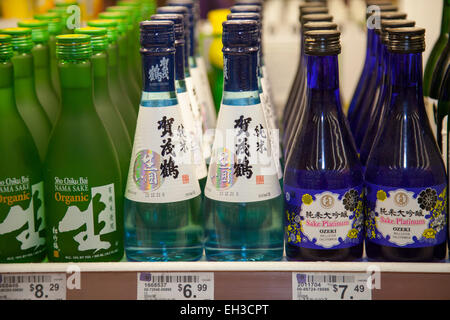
(248, 280)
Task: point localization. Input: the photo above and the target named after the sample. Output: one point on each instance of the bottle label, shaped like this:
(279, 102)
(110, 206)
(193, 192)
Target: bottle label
(161, 168)
(431, 109)
(197, 113)
(22, 223)
(242, 167)
(158, 77)
(194, 140)
(406, 218)
(87, 228)
(445, 141)
(324, 219)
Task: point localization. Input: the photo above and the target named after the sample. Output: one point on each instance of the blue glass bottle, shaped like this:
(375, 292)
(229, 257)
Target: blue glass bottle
(405, 176)
(312, 14)
(359, 126)
(163, 218)
(243, 203)
(296, 125)
(381, 104)
(366, 79)
(323, 181)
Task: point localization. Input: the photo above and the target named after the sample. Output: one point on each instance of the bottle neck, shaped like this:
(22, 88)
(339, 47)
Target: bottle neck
(187, 47)
(445, 24)
(8, 103)
(241, 72)
(179, 61)
(76, 85)
(371, 43)
(41, 56)
(323, 72)
(100, 73)
(158, 78)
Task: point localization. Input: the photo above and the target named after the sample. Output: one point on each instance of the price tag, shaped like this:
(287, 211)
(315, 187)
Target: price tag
(33, 286)
(175, 286)
(330, 286)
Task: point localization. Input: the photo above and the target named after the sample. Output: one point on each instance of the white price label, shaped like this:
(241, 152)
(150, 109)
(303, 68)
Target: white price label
(330, 286)
(175, 286)
(33, 286)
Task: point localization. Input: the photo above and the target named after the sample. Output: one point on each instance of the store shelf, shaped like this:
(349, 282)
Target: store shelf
(247, 280)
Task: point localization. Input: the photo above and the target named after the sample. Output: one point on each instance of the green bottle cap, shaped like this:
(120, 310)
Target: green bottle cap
(63, 15)
(119, 16)
(6, 49)
(73, 47)
(21, 38)
(54, 22)
(136, 5)
(99, 40)
(127, 10)
(66, 4)
(39, 29)
(110, 25)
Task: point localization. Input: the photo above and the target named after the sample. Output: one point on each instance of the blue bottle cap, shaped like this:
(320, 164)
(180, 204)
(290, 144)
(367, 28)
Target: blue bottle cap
(186, 3)
(315, 17)
(392, 24)
(178, 21)
(310, 26)
(240, 33)
(157, 33)
(322, 42)
(248, 3)
(173, 9)
(406, 40)
(236, 9)
(244, 16)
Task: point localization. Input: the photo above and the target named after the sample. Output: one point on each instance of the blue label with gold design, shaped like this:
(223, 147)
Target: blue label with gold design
(406, 217)
(324, 219)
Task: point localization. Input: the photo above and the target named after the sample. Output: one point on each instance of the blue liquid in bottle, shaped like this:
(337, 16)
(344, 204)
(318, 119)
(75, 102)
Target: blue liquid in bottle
(405, 175)
(323, 182)
(163, 213)
(243, 202)
(381, 103)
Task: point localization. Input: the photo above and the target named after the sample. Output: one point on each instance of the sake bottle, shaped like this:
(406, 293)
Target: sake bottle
(382, 102)
(294, 124)
(42, 76)
(363, 116)
(84, 199)
(163, 215)
(193, 81)
(243, 203)
(323, 182)
(195, 155)
(104, 105)
(365, 81)
(437, 83)
(54, 29)
(405, 175)
(125, 70)
(27, 102)
(430, 69)
(134, 75)
(265, 100)
(22, 227)
(295, 84)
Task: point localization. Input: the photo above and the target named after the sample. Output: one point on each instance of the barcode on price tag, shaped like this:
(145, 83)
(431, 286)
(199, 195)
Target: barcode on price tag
(175, 286)
(33, 286)
(330, 286)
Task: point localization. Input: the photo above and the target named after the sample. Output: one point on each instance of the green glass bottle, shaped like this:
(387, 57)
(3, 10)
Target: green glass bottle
(22, 226)
(136, 6)
(132, 45)
(54, 29)
(106, 108)
(438, 48)
(41, 55)
(125, 71)
(117, 92)
(84, 196)
(27, 101)
(148, 8)
(64, 16)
